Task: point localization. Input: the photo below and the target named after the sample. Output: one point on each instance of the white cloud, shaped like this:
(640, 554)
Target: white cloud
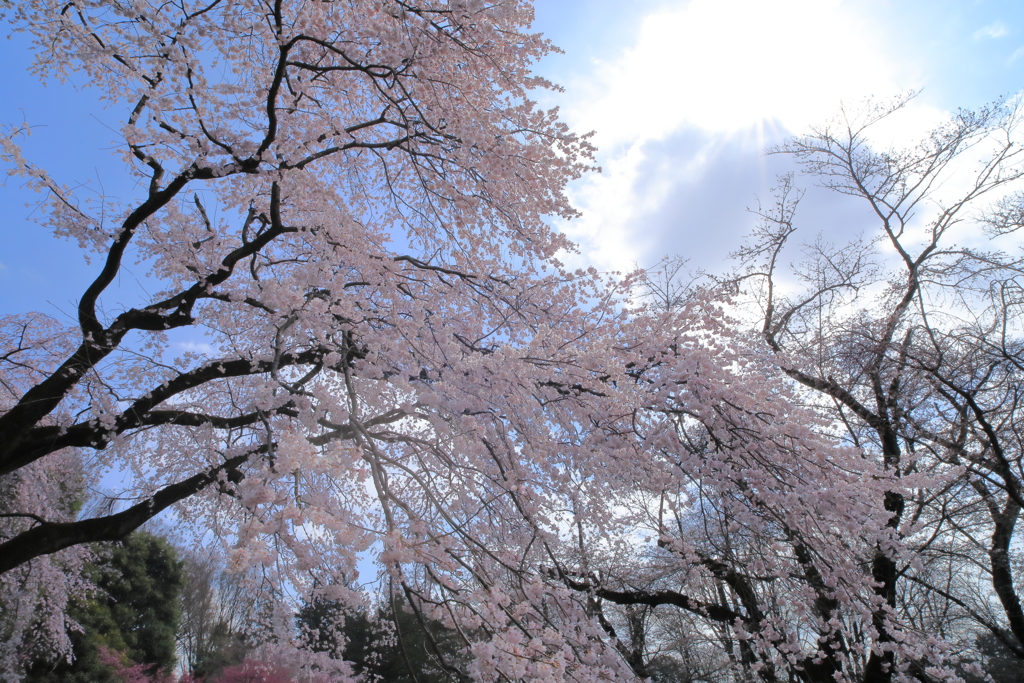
(727, 65)
(727, 68)
(996, 29)
(201, 348)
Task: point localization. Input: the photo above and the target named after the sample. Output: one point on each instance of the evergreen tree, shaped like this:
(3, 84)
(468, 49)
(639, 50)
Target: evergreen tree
(999, 661)
(224, 648)
(392, 646)
(134, 610)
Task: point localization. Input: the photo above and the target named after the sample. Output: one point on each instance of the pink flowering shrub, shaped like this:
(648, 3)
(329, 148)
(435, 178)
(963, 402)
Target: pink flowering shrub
(256, 671)
(129, 672)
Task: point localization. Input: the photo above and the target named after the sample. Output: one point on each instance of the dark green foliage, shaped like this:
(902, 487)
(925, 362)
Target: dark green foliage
(1001, 664)
(385, 646)
(225, 647)
(143, 581)
(665, 669)
(325, 623)
(415, 649)
(134, 611)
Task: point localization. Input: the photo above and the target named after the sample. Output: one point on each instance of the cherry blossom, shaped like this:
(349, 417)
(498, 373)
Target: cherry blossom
(350, 201)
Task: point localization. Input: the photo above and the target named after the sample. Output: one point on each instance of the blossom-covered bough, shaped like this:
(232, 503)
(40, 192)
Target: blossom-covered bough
(918, 356)
(347, 200)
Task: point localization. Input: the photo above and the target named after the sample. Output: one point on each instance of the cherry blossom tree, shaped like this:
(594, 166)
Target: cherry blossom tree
(346, 202)
(911, 340)
(746, 517)
(911, 360)
(373, 122)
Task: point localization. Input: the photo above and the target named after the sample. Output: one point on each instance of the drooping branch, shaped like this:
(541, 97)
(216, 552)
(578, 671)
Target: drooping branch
(50, 537)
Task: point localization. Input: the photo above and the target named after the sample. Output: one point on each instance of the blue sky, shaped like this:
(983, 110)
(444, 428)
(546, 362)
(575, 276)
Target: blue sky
(684, 97)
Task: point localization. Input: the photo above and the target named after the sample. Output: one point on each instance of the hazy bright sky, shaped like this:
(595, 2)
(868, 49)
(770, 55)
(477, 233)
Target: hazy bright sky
(684, 96)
